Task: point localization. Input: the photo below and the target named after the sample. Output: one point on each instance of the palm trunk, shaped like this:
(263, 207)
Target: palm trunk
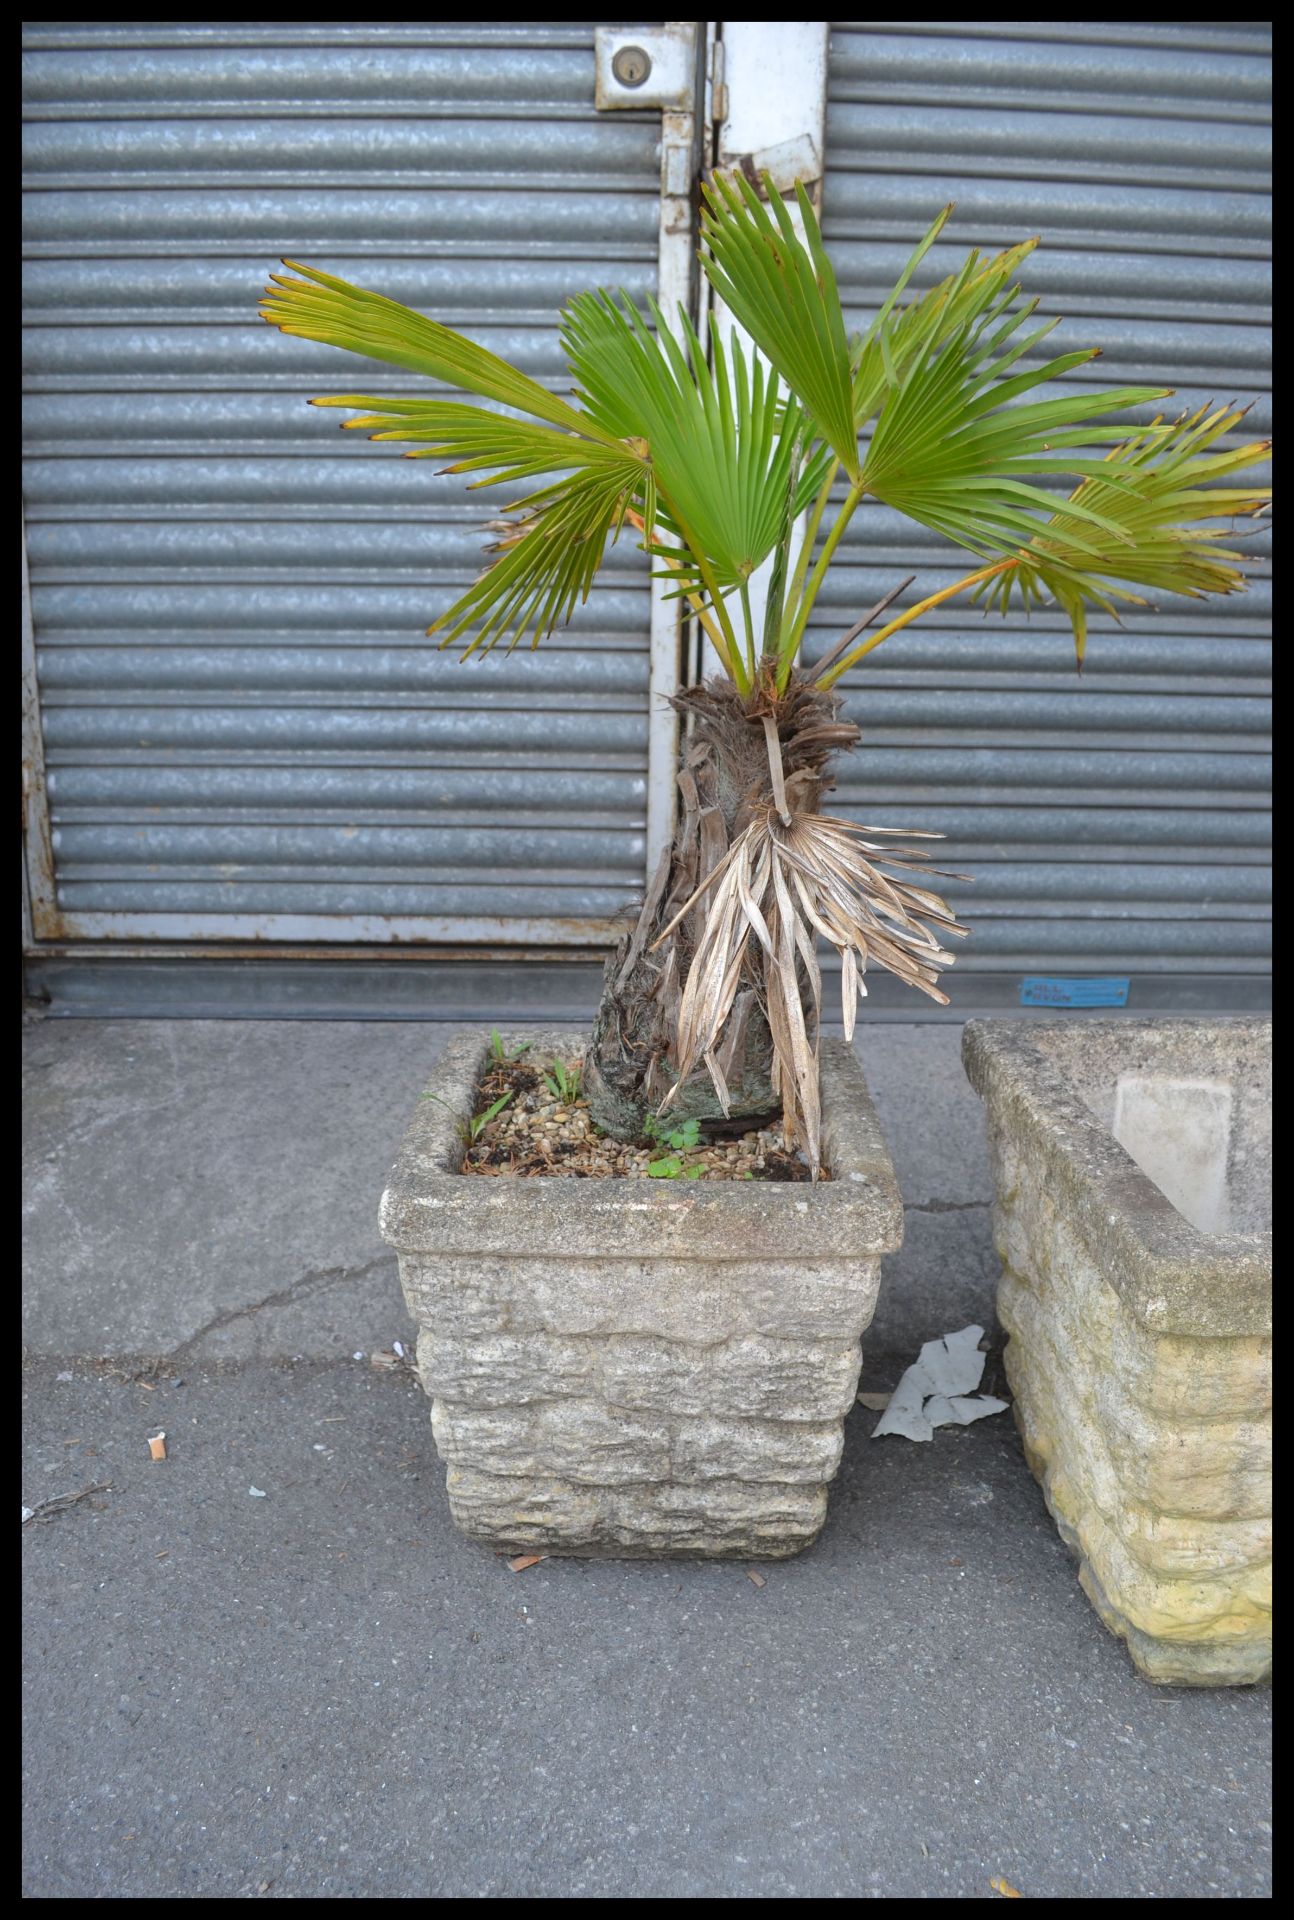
(723, 775)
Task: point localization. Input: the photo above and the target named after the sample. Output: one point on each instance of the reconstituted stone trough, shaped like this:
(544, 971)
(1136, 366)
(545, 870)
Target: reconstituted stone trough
(1132, 1168)
(628, 1367)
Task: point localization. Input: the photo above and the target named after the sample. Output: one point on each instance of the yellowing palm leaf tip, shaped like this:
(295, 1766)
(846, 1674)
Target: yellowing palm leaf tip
(948, 409)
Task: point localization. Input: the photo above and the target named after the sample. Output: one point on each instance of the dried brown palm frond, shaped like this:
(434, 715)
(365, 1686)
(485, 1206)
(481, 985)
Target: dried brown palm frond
(788, 877)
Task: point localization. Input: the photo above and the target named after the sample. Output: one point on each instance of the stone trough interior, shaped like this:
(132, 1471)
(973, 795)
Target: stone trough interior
(1194, 1112)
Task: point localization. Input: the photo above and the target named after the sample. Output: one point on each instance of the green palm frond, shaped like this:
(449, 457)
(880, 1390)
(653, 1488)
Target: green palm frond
(783, 291)
(322, 307)
(475, 438)
(724, 443)
(548, 560)
(885, 355)
(546, 563)
(713, 462)
(774, 486)
(1150, 491)
(952, 449)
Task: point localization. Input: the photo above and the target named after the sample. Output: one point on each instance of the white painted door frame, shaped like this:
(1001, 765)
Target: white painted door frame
(667, 67)
(754, 93)
(772, 113)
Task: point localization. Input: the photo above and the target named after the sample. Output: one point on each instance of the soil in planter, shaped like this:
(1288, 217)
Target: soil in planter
(537, 1133)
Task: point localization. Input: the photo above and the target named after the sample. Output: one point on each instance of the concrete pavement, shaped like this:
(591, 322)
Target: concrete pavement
(326, 1692)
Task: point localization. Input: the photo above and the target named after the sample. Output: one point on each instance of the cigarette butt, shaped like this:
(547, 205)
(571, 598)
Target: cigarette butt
(157, 1446)
(524, 1560)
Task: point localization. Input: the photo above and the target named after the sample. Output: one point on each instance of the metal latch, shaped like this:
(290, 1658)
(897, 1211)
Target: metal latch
(718, 90)
(646, 66)
(789, 161)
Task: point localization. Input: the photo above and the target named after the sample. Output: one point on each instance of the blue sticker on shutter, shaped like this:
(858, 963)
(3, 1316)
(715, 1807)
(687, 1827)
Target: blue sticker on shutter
(1039, 990)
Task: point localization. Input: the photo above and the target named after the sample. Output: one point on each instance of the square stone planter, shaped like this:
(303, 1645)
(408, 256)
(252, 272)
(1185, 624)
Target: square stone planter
(1132, 1163)
(629, 1367)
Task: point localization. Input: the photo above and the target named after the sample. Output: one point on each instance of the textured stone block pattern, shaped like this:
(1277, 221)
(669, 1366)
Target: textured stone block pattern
(1139, 1347)
(621, 1367)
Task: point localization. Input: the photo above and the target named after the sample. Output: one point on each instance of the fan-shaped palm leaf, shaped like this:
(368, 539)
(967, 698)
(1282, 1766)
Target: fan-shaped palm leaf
(1150, 490)
(885, 355)
(782, 290)
(546, 564)
(721, 439)
(952, 450)
(322, 307)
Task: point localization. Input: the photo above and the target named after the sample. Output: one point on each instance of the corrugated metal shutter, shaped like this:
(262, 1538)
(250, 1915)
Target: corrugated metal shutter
(1119, 822)
(244, 730)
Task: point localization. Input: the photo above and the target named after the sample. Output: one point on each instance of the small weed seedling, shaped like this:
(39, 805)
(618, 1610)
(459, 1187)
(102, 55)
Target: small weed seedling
(479, 1121)
(684, 1139)
(473, 1126)
(499, 1053)
(564, 1083)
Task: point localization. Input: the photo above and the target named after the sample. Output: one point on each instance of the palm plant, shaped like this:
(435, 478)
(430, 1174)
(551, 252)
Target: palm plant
(722, 462)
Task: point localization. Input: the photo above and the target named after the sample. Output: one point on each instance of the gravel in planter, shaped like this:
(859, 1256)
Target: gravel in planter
(540, 1134)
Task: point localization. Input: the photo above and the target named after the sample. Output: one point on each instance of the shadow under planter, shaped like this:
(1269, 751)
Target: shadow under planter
(1132, 1172)
(627, 1366)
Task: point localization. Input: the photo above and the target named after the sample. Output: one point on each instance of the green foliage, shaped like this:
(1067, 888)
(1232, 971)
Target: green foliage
(564, 1082)
(711, 458)
(950, 452)
(1140, 495)
(673, 1168)
(322, 307)
(956, 444)
(721, 445)
(884, 355)
(499, 1053)
(471, 1126)
(684, 1138)
(479, 1121)
(548, 560)
(783, 292)
(546, 563)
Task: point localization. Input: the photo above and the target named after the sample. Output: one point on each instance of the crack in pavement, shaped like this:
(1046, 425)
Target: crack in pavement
(315, 1282)
(944, 1206)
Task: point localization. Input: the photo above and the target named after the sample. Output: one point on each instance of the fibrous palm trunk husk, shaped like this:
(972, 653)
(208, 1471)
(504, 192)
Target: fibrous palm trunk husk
(723, 777)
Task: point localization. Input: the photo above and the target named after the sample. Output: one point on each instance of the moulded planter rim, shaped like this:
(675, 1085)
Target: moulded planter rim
(1173, 1278)
(431, 1207)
